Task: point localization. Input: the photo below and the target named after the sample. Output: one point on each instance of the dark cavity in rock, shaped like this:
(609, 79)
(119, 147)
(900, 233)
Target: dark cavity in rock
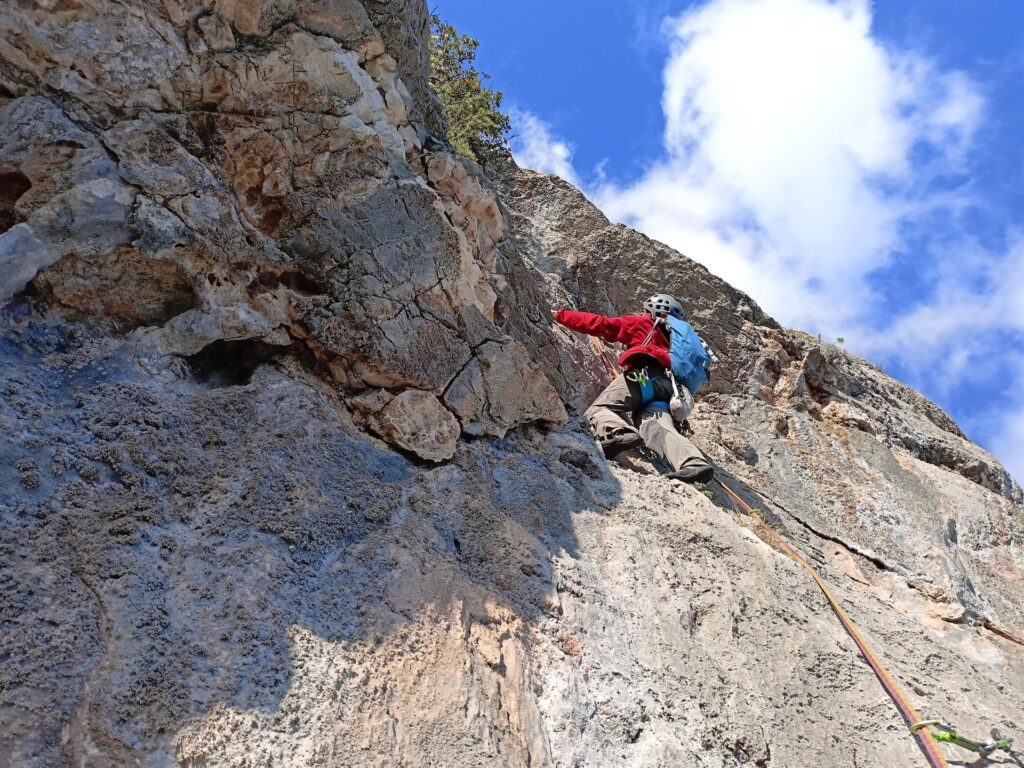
(231, 363)
(13, 184)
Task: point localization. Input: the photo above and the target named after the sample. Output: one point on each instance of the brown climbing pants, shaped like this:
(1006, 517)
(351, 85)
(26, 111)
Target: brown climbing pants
(613, 413)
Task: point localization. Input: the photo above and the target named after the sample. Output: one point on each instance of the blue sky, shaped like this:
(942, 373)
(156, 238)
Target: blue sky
(857, 168)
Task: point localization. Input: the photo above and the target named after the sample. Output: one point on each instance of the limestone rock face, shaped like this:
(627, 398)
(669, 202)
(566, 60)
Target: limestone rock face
(413, 420)
(267, 152)
(294, 474)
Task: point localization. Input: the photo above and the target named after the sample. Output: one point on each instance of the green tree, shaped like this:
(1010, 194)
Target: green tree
(476, 125)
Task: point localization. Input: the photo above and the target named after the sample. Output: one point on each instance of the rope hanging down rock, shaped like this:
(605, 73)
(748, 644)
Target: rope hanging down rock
(906, 709)
(920, 728)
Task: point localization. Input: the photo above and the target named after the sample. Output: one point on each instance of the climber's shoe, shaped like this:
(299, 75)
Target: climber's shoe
(615, 444)
(698, 473)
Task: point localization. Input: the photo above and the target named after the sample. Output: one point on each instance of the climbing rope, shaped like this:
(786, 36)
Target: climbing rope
(607, 359)
(906, 709)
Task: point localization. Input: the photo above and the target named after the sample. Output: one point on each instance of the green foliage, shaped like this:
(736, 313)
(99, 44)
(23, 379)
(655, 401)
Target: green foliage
(476, 125)
(828, 349)
(804, 336)
(705, 490)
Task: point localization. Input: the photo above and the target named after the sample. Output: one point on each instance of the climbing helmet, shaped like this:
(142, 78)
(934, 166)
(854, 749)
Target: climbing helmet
(663, 304)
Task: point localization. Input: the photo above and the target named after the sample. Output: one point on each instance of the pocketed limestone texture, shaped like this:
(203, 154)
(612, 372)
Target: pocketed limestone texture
(293, 471)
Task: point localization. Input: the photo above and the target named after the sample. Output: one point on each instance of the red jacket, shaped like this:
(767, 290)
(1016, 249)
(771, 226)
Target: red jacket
(630, 330)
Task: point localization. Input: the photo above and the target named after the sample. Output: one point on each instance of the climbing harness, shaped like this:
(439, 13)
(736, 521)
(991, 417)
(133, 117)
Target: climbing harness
(950, 735)
(917, 726)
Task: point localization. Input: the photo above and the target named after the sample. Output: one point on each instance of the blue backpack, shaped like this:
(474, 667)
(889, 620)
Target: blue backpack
(691, 363)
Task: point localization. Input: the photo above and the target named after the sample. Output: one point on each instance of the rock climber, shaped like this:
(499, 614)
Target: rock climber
(621, 417)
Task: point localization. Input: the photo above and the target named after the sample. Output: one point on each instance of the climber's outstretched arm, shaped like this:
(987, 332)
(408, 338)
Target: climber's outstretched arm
(610, 329)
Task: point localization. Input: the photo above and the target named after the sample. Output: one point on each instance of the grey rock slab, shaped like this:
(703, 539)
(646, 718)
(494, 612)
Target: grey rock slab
(91, 218)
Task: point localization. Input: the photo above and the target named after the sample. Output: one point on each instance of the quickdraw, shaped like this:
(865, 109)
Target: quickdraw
(920, 728)
(950, 735)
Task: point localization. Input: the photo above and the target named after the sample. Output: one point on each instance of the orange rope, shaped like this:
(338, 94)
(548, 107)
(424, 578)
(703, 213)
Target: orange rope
(608, 360)
(907, 711)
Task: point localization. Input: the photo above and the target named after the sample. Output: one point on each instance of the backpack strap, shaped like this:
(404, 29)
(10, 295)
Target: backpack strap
(651, 334)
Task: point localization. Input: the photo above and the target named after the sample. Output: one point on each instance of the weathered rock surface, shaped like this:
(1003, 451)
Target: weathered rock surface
(266, 151)
(293, 474)
(413, 420)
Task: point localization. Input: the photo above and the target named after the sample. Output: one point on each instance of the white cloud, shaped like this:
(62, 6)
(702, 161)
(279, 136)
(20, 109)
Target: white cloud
(789, 143)
(978, 296)
(534, 147)
(1008, 440)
